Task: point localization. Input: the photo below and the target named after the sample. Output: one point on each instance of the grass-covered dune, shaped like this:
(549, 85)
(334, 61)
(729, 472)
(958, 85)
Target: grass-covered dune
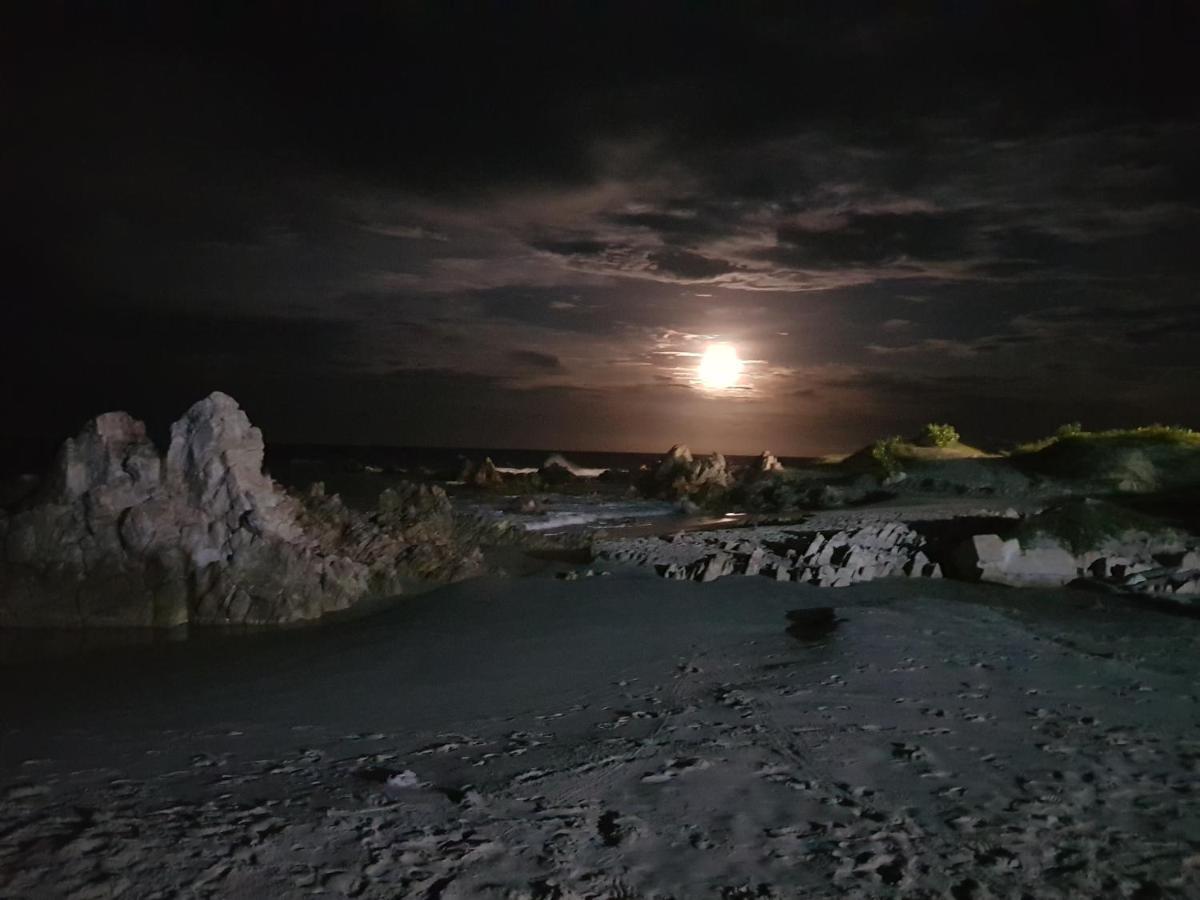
(1131, 460)
(935, 443)
(1152, 459)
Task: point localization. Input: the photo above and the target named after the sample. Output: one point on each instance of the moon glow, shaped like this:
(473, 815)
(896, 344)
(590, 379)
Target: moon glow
(719, 367)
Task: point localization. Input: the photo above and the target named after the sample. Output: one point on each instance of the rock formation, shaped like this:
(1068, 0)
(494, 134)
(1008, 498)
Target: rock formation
(679, 475)
(483, 475)
(557, 469)
(988, 557)
(765, 465)
(121, 536)
(1134, 563)
(822, 558)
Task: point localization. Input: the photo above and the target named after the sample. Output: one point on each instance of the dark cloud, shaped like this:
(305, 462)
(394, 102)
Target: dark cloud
(910, 385)
(295, 207)
(688, 265)
(536, 359)
(879, 238)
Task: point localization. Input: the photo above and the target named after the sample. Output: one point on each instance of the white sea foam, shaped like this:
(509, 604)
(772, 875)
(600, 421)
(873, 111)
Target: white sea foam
(573, 514)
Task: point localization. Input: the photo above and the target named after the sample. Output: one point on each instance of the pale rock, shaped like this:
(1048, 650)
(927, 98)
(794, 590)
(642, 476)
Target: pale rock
(484, 475)
(754, 562)
(122, 537)
(713, 567)
(1191, 587)
(680, 475)
(987, 557)
(982, 554)
(767, 463)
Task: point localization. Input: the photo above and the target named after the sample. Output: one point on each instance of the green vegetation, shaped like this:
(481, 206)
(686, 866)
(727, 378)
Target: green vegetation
(1088, 524)
(1172, 435)
(893, 455)
(935, 435)
(1126, 460)
(886, 452)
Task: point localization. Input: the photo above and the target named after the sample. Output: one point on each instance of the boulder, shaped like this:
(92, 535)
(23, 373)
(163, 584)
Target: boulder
(988, 557)
(811, 624)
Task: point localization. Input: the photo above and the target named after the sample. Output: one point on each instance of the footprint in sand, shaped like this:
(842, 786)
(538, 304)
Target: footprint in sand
(674, 768)
(907, 752)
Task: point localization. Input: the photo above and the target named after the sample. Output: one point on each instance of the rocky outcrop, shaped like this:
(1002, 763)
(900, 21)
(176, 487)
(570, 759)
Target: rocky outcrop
(765, 465)
(483, 475)
(1134, 562)
(68, 557)
(411, 534)
(679, 475)
(825, 559)
(988, 557)
(557, 469)
(120, 535)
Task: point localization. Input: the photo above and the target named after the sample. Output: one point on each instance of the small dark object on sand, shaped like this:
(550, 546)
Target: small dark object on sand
(809, 624)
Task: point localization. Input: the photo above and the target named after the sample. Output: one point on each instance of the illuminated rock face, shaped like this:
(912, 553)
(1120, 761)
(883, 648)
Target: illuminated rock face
(987, 557)
(767, 463)
(680, 475)
(822, 558)
(1132, 563)
(121, 536)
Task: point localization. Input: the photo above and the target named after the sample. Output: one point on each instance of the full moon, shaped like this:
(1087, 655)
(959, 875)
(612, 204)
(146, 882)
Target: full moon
(719, 367)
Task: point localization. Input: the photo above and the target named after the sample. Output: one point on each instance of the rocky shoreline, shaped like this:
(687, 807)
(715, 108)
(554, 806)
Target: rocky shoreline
(961, 542)
(121, 535)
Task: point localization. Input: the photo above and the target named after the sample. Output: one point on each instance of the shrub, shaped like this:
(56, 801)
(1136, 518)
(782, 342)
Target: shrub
(935, 435)
(886, 452)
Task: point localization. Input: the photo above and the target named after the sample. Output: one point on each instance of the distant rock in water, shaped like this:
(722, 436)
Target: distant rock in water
(119, 535)
(679, 475)
(557, 469)
(766, 464)
(484, 475)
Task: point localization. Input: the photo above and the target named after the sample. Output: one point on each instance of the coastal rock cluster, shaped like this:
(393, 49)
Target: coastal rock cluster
(1134, 563)
(679, 475)
(822, 558)
(483, 475)
(121, 535)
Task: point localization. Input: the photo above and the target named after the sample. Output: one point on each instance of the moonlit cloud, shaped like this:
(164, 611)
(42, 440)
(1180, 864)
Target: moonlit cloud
(854, 199)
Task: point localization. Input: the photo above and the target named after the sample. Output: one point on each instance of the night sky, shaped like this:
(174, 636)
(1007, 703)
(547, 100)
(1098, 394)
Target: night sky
(504, 224)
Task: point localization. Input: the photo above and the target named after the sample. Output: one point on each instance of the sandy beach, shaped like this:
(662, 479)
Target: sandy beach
(622, 737)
